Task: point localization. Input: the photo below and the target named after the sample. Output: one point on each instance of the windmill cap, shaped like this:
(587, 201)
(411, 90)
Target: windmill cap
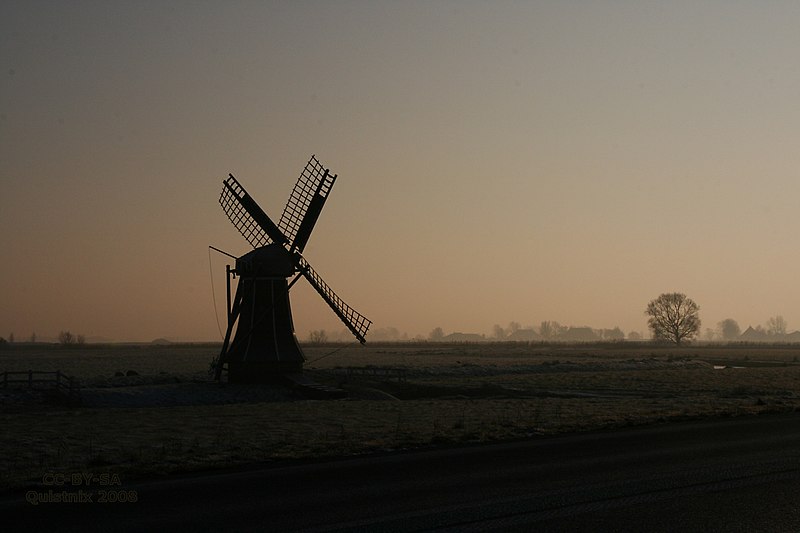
(272, 260)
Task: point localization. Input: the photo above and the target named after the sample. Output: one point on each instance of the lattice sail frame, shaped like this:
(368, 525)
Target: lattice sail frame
(357, 323)
(314, 182)
(246, 215)
(312, 187)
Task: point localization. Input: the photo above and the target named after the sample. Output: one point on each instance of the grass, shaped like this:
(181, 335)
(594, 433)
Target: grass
(452, 394)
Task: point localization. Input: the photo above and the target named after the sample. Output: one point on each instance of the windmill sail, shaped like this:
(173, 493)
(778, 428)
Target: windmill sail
(251, 221)
(357, 323)
(305, 203)
(264, 344)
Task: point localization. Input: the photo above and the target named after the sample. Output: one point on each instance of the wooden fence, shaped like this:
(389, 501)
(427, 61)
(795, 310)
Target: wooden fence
(34, 379)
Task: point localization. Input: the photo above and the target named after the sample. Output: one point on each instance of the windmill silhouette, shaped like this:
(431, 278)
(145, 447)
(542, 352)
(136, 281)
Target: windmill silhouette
(264, 345)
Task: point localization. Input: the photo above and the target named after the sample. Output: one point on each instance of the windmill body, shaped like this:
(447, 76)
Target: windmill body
(264, 346)
(264, 342)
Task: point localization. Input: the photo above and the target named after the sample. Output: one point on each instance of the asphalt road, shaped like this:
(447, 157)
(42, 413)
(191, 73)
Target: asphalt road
(737, 474)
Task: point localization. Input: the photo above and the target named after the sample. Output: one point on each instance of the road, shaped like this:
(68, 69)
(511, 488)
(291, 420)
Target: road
(736, 474)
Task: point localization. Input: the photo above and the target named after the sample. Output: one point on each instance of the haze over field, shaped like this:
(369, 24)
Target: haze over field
(497, 161)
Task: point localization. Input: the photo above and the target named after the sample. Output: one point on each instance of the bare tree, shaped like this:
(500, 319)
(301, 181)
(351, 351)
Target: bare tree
(498, 332)
(673, 317)
(776, 326)
(729, 329)
(33, 337)
(436, 334)
(80, 339)
(11, 337)
(65, 338)
(389, 333)
(513, 327)
(550, 329)
(318, 336)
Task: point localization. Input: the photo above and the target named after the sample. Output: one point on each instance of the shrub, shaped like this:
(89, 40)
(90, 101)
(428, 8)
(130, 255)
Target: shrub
(65, 338)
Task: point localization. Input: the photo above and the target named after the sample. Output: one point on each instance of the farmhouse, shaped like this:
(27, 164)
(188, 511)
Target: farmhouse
(527, 334)
(753, 335)
(463, 337)
(584, 334)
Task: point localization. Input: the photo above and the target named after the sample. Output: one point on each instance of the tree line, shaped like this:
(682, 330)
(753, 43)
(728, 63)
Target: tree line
(65, 338)
(672, 318)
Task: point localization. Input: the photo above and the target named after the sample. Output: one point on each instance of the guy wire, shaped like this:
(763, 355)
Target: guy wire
(214, 293)
(331, 353)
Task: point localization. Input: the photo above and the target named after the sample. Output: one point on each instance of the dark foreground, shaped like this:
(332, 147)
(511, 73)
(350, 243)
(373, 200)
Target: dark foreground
(739, 474)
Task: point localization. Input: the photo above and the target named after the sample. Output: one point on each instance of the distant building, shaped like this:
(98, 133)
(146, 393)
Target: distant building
(524, 335)
(753, 335)
(615, 334)
(579, 335)
(463, 337)
(793, 337)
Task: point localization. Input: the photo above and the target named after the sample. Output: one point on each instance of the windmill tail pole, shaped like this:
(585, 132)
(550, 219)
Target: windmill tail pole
(222, 252)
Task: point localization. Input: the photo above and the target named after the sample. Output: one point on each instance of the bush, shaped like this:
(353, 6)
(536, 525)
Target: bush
(65, 338)
(318, 337)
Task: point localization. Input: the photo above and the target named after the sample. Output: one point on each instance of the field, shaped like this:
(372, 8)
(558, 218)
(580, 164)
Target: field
(167, 416)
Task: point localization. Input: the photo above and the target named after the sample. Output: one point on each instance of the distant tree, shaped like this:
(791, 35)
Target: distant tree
(3, 342)
(436, 334)
(513, 327)
(65, 338)
(729, 329)
(389, 333)
(776, 326)
(615, 334)
(498, 332)
(550, 329)
(709, 334)
(80, 339)
(341, 335)
(11, 337)
(634, 336)
(673, 317)
(318, 336)
(33, 337)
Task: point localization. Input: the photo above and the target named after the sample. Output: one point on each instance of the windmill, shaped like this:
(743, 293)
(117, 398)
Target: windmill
(264, 346)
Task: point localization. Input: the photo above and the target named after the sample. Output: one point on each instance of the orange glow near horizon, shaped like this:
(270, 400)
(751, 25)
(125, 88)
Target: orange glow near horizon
(496, 162)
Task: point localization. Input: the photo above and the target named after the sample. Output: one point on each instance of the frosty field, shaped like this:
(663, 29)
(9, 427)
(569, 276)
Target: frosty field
(170, 417)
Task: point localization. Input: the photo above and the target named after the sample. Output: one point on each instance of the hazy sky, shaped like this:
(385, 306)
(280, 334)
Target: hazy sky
(497, 161)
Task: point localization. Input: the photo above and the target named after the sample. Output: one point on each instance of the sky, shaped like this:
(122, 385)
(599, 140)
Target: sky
(496, 161)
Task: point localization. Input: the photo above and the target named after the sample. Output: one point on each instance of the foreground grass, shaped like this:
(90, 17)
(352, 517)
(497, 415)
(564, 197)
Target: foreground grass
(149, 441)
